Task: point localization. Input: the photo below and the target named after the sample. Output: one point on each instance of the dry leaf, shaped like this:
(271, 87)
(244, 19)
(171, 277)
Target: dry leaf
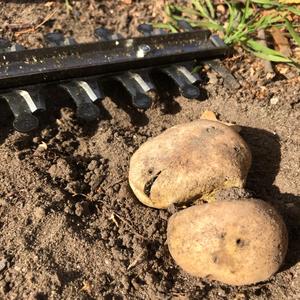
(211, 116)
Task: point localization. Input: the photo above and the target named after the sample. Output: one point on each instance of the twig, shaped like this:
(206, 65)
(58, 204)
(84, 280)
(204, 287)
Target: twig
(115, 182)
(128, 224)
(267, 64)
(114, 214)
(135, 262)
(34, 28)
(112, 217)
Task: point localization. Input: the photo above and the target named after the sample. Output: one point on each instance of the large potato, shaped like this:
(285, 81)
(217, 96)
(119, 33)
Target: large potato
(189, 162)
(236, 242)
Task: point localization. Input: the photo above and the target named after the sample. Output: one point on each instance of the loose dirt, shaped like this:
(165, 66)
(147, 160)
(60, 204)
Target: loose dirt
(70, 227)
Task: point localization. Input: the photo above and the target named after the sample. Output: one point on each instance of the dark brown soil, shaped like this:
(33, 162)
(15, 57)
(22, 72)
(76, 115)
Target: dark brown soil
(70, 226)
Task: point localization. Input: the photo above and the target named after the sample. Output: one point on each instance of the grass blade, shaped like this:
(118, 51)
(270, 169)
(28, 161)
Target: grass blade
(202, 10)
(293, 9)
(167, 26)
(233, 13)
(246, 12)
(187, 10)
(207, 24)
(270, 57)
(257, 46)
(292, 31)
(210, 8)
(265, 52)
(266, 3)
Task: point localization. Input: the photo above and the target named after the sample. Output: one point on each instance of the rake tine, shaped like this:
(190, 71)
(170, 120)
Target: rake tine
(83, 96)
(148, 30)
(57, 39)
(22, 102)
(145, 29)
(229, 80)
(185, 25)
(4, 45)
(215, 64)
(104, 34)
(36, 102)
(136, 90)
(83, 92)
(7, 46)
(54, 39)
(180, 73)
(18, 101)
(137, 84)
(184, 79)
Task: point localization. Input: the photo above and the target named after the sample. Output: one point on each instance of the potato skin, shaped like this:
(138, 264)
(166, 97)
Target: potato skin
(189, 162)
(237, 242)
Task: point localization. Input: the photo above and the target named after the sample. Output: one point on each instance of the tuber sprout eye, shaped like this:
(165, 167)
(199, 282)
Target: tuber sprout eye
(240, 242)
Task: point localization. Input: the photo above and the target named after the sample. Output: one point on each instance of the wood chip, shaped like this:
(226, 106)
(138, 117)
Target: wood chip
(281, 42)
(267, 64)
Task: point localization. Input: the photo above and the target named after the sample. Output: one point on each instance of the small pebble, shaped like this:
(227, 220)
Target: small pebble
(82, 208)
(92, 165)
(274, 100)
(3, 263)
(213, 79)
(39, 213)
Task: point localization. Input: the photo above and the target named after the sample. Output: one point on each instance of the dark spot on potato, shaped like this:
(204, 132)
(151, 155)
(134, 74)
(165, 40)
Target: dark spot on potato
(237, 149)
(222, 235)
(214, 131)
(215, 259)
(240, 242)
(149, 183)
(210, 129)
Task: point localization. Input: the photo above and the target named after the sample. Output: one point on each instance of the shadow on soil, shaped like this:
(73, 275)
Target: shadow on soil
(119, 95)
(266, 157)
(167, 91)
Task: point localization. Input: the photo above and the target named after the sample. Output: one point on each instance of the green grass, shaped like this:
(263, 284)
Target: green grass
(242, 23)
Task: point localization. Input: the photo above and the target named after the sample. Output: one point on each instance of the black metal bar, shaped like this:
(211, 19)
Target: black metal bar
(35, 66)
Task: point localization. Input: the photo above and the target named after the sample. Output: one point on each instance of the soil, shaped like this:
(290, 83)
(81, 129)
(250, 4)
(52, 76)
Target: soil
(70, 226)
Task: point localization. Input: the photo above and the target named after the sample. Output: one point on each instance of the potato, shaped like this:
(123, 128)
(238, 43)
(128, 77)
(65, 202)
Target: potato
(237, 242)
(189, 162)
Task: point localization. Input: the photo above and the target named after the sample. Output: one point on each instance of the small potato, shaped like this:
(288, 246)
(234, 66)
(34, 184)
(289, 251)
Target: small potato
(236, 242)
(189, 162)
